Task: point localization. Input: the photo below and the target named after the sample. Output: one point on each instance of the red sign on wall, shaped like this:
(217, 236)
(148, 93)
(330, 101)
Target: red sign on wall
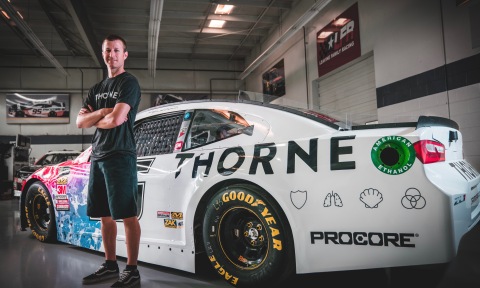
(339, 42)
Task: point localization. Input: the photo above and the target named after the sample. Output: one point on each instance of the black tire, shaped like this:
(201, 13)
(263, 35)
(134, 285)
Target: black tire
(40, 213)
(52, 114)
(19, 114)
(248, 248)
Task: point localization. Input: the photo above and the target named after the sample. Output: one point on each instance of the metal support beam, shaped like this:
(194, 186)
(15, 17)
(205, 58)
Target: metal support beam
(156, 8)
(78, 14)
(30, 35)
(303, 20)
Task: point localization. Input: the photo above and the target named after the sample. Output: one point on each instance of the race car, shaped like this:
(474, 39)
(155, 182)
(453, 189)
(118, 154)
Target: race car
(263, 191)
(49, 158)
(46, 109)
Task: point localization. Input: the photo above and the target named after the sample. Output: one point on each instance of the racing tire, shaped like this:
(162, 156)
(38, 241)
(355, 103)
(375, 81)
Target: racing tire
(40, 213)
(247, 237)
(52, 114)
(19, 114)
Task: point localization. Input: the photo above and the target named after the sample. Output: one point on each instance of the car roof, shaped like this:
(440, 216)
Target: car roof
(63, 152)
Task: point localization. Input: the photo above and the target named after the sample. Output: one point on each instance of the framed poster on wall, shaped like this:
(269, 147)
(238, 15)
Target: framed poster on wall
(273, 80)
(39, 108)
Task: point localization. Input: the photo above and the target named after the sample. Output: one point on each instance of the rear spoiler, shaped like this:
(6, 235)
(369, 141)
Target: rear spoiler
(428, 121)
(423, 121)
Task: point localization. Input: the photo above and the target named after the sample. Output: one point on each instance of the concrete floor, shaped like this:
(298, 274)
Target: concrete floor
(26, 262)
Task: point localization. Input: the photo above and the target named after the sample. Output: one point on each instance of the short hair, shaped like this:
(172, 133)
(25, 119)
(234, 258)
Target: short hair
(113, 37)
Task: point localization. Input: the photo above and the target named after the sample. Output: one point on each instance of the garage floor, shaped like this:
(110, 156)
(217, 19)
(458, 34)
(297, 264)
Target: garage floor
(26, 262)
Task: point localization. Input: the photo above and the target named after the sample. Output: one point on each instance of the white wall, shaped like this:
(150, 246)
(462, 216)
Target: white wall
(407, 38)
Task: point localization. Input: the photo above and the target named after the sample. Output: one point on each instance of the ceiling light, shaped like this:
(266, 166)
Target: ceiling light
(6, 15)
(156, 8)
(223, 9)
(216, 23)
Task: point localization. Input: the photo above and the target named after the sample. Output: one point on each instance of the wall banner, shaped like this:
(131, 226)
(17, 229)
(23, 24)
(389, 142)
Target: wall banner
(339, 42)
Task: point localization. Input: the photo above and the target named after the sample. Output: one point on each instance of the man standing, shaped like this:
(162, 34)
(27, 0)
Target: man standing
(111, 106)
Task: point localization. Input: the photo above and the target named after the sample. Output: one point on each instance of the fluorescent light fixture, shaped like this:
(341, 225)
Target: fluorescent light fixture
(6, 15)
(156, 8)
(216, 23)
(223, 9)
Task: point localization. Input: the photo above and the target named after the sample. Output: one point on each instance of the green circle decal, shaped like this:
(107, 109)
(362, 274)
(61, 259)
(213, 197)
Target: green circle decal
(393, 155)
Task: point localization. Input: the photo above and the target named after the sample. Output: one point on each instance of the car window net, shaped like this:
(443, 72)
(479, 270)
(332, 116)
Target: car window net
(157, 136)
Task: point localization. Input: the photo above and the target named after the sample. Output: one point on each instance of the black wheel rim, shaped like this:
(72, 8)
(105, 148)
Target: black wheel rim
(243, 238)
(41, 212)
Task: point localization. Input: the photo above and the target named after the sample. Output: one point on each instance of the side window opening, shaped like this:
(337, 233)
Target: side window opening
(156, 136)
(213, 125)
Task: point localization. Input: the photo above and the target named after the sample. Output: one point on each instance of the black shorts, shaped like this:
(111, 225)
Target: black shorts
(113, 187)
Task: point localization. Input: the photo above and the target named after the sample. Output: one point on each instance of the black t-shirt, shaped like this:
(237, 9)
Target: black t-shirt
(123, 88)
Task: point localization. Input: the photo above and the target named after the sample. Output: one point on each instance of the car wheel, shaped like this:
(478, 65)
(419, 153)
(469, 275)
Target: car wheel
(247, 237)
(52, 114)
(19, 114)
(40, 213)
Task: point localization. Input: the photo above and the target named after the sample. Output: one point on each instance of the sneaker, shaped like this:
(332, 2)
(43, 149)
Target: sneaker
(103, 273)
(128, 278)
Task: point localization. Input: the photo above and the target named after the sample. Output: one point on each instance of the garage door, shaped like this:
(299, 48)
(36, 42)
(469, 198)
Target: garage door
(350, 93)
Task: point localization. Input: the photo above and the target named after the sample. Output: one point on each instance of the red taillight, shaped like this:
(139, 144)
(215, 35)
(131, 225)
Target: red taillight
(429, 151)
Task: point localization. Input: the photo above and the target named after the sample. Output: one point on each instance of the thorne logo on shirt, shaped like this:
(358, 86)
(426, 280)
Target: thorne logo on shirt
(106, 95)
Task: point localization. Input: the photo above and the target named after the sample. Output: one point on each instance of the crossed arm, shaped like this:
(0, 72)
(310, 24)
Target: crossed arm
(104, 118)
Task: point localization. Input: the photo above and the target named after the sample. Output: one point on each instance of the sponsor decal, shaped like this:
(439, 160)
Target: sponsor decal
(170, 223)
(298, 198)
(371, 198)
(378, 239)
(264, 153)
(187, 115)
(62, 180)
(179, 224)
(178, 145)
(62, 203)
(413, 199)
(459, 199)
(332, 199)
(393, 155)
(163, 214)
(183, 130)
(465, 169)
(177, 215)
(62, 189)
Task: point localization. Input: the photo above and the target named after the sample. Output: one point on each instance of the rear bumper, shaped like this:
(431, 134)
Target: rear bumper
(461, 183)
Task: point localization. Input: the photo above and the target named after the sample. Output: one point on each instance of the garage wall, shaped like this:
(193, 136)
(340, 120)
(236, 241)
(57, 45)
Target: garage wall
(425, 60)
(206, 78)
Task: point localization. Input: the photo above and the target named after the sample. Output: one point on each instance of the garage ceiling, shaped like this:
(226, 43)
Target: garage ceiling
(154, 30)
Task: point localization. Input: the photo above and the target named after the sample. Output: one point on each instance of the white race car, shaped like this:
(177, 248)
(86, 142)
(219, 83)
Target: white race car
(46, 109)
(264, 191)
